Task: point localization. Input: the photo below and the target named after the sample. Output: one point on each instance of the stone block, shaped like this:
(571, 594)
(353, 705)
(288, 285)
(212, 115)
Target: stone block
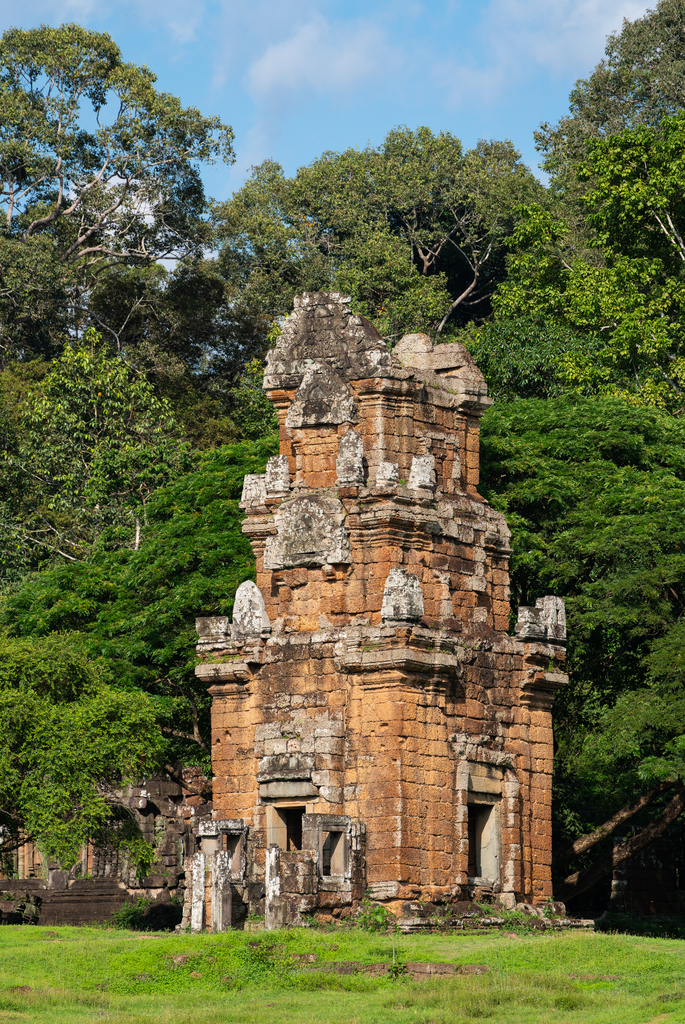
(350, 460)
(284, 790)
(322, 397)
(422, 474)
(402, 597)
(387, 474)
(311, 531)
(216, 627)
(547, 621)
(254, 489)
(277, 477)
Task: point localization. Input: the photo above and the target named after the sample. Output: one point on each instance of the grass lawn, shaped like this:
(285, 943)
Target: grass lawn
(68, 975)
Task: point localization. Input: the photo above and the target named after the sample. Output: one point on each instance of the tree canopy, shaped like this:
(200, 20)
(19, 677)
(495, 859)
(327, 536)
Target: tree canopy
(414, 230)
(84, 450)
(594, 492)
(133, 609)
(64, 732)
(640, 81)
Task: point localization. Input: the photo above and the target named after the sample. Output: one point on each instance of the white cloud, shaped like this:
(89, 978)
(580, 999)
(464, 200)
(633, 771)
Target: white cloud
(562, 34)
(322, 57)
(520, 38)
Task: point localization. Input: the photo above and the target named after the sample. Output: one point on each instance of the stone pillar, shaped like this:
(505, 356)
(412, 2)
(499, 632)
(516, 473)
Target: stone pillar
(276, 906)
(197, 908)
(221, 891)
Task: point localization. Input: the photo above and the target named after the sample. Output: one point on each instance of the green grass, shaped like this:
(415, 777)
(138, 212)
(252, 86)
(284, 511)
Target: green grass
(68, 975)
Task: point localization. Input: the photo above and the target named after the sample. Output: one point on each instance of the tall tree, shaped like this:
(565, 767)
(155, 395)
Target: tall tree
(89, 445)
(594, 491)
(133, 610)
(640, 81)
(415, 229)
(64, 732)
(628, 297)
(96, 168)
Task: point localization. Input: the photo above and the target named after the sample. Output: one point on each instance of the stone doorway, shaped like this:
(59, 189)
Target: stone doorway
(484, 842)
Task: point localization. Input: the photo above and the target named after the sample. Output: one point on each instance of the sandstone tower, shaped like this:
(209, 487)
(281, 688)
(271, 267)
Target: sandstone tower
(374, 726)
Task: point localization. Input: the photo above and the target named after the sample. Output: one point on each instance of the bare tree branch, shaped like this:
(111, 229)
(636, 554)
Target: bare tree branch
(205, 793)
(585, 843)
(581, 881)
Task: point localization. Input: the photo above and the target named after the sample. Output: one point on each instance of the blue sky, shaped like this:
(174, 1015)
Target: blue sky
(297, 77)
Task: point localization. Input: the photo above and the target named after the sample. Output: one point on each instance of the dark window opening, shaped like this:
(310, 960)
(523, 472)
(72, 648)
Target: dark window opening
(333, 853)
(292, 817)
(473, 871)
(229, 842)
(484, 841)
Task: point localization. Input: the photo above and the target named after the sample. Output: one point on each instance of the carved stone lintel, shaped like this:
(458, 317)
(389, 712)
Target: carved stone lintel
(310, 531)
(321, 398)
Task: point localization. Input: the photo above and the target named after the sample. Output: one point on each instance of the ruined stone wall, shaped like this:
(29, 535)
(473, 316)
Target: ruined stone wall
(368, 677)
(169, 816)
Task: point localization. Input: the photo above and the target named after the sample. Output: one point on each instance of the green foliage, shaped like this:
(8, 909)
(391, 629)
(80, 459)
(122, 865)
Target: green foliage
(135, 610)
(64, 733)
(639, 82)
(127, 188)
(528, 356)
(415, 230)
(251, 411)
(594, 492)
(131, 915)
(97, 169)
(624, 296)
(374, 917)
(603, 253)
(91, 444)
(184, 329)
(592, 979)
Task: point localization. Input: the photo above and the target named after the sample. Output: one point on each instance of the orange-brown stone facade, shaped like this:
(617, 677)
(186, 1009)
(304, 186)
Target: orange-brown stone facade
(374, 726)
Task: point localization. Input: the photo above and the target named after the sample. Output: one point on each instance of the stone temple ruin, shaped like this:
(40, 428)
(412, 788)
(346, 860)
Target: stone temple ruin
(375, 728)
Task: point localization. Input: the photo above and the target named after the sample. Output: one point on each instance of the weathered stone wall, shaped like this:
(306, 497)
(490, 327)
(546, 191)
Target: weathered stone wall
(369, 675)
(170, 818)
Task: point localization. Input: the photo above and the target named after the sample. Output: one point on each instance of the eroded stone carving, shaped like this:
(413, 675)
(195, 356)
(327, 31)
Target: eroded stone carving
(350, 462)
(249, 611)
(402, 597)
(452, 362)
(546, 621)
(412, 345)
(387, 474)
(422, 472)
(322, 397)
(254, 488)
(277, 474)
(311, 531)
(322, 328)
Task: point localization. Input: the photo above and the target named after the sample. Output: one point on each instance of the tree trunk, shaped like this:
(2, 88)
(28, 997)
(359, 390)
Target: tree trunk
(205, 793)
(581, 881)
(584, 843)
